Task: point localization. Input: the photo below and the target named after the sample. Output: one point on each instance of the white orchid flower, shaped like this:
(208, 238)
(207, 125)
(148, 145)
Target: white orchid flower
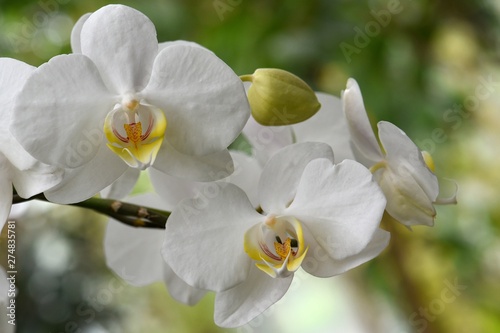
(17, 167)
(135, 254)
(315, 215)
(122, 87)
(405, 174)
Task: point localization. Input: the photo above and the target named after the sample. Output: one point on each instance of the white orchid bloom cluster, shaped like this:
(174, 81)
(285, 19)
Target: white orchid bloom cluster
(239, 225)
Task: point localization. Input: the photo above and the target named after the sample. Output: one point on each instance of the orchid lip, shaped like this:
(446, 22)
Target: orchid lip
(134, 132)
(276, 245)
(135, 144)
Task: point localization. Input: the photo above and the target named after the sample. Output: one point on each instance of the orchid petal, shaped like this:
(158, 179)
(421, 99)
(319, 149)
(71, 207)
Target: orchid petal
(34, 177)
(406, 200)
(76, 44)
(134, 253)
(281, 175)
(246, 175)
(207, 233)
(267, 140)
(173, 189)
(126, 248)
(13, 76)
(237, 306)
(37, 179)
(89, 179)
(320, 264)
(401, 151)
(328, 125)
(164, 45)
(200, 95)
(209, 167)
(15, 153)
(123, 185)
(359, 125)
(359, 157)
(28, 175)
(122, 42)
(69, 112)
(340, 204)
(179, 289)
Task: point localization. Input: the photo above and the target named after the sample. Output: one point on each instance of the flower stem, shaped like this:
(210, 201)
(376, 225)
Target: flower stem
(130, 214)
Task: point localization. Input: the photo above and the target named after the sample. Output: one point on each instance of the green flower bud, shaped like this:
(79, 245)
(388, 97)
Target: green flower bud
(278, 97)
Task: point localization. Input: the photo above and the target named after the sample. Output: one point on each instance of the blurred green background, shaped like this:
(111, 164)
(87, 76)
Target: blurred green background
(430, 67)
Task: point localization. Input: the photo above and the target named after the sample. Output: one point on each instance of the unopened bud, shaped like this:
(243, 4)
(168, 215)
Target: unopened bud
(278, 97)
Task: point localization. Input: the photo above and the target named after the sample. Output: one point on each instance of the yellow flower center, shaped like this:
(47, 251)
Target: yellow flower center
(283, 249)
(134, 132)
(263, 243)
(128, 139)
